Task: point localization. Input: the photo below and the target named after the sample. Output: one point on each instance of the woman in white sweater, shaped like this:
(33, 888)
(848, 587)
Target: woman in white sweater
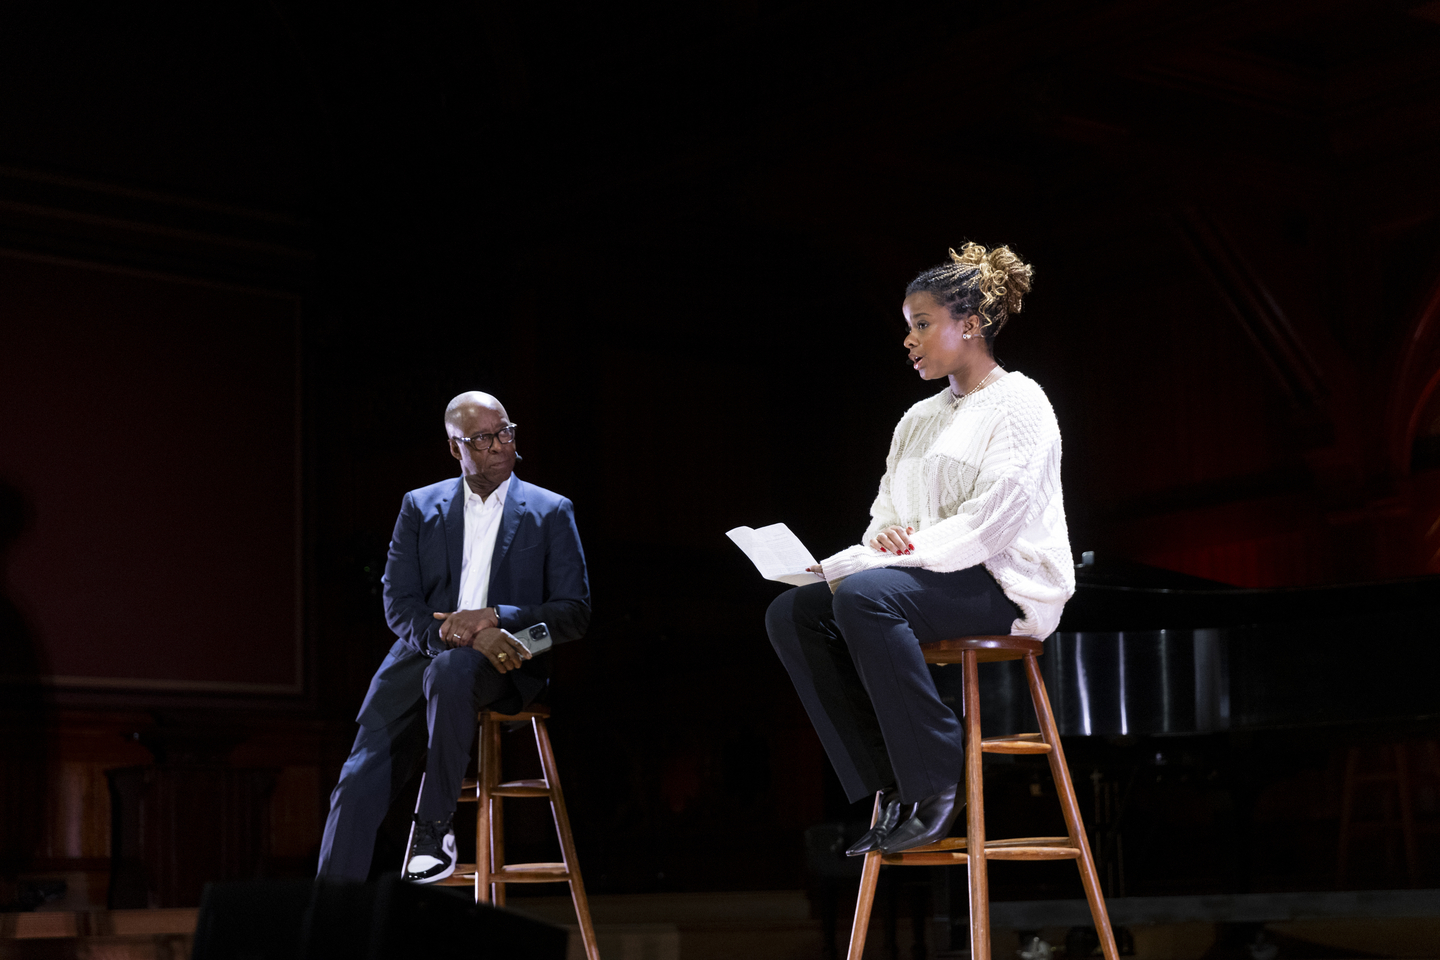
(967, 537)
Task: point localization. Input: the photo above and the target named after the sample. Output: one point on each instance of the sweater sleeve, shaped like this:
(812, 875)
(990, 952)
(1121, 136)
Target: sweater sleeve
(1005, 495)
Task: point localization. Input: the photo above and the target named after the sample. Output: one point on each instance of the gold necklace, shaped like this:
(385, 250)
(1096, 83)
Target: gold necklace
(979, 386)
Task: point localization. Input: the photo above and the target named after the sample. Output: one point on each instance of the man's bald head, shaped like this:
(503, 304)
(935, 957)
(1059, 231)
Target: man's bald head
(466, 403)
(480, 418)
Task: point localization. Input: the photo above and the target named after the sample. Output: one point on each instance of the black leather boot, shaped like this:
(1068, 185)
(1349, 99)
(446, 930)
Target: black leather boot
(931, 822)
(890, 810)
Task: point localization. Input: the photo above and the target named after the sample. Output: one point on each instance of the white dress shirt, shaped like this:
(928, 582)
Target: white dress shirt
(482, 525)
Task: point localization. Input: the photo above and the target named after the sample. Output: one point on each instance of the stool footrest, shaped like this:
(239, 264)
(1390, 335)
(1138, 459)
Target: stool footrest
(456, 879)
(953, 850)
(531, 873)
(1016, 743)
(512, 873)
(521, 788)
(514, 788)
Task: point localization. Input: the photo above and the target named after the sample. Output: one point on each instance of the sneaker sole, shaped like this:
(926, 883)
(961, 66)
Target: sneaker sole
(448, 871)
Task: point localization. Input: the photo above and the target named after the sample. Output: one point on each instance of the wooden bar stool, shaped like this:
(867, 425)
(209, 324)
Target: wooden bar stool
(974, 850)
(490, 872)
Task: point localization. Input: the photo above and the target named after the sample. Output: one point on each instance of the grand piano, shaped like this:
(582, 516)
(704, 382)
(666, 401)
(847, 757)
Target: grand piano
(1192, 707)
(1147, 652)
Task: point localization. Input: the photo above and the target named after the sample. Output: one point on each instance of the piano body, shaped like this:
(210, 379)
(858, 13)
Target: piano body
(1144, 652)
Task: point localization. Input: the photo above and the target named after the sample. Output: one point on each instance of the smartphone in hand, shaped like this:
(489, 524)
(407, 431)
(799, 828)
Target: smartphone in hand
(536, 639)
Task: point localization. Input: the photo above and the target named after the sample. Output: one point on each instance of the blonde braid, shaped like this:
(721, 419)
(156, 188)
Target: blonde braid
(1002, 280)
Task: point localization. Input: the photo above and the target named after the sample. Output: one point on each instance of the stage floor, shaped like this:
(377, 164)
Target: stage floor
(777, 925)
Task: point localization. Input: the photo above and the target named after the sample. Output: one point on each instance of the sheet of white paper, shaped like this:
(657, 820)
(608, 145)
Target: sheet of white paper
(776, 552)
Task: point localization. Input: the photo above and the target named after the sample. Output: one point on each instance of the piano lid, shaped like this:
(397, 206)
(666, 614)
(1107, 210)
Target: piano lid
(1113, 594)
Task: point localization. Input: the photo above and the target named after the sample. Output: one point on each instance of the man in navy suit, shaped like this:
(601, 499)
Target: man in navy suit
(471, 559)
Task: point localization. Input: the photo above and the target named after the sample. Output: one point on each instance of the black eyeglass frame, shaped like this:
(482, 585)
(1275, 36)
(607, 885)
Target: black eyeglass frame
(474, 442)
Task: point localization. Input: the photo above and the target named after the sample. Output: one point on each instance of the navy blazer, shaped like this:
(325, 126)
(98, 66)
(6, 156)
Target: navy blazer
(537, 574)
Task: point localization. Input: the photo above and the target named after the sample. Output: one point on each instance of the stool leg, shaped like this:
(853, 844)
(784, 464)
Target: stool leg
(567, 839)
(497, 817)
(975, 814)
(482, 810)
(1070, 808)
(865, 899)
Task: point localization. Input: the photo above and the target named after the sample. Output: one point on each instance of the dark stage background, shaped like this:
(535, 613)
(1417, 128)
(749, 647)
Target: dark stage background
(248, 251)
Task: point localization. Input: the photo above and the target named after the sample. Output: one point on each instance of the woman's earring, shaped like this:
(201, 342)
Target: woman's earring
(964, 336)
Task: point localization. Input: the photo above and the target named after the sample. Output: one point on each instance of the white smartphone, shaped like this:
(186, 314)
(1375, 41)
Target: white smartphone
(536, 639)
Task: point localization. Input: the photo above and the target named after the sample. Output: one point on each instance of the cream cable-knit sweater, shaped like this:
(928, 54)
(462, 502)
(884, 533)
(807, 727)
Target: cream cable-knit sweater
(979, 480)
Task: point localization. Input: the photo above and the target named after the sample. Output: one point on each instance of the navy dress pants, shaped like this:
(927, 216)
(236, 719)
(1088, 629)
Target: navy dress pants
(856, 663)
(438, 732)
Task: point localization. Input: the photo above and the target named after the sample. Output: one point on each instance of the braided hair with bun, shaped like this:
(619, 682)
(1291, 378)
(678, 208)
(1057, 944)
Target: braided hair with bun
(990, 284)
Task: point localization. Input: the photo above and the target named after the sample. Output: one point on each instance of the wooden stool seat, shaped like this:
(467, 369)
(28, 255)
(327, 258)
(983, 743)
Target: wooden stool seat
(489, 873)
(540, 710)
(969, 652)
(987, 649)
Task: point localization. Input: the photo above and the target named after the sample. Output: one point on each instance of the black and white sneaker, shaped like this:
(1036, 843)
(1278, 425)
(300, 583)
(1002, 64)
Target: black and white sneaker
(432, 851)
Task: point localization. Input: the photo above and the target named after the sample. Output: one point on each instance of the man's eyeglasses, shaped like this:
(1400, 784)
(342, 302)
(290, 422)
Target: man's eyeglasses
(482, 441)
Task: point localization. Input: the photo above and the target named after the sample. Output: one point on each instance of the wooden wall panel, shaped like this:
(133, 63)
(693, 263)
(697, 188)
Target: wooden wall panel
(151, 428)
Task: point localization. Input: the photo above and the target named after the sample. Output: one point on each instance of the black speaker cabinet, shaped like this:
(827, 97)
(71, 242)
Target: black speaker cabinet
(304, 920)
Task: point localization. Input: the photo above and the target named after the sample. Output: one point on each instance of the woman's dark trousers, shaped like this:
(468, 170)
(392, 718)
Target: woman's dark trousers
(856, 663)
